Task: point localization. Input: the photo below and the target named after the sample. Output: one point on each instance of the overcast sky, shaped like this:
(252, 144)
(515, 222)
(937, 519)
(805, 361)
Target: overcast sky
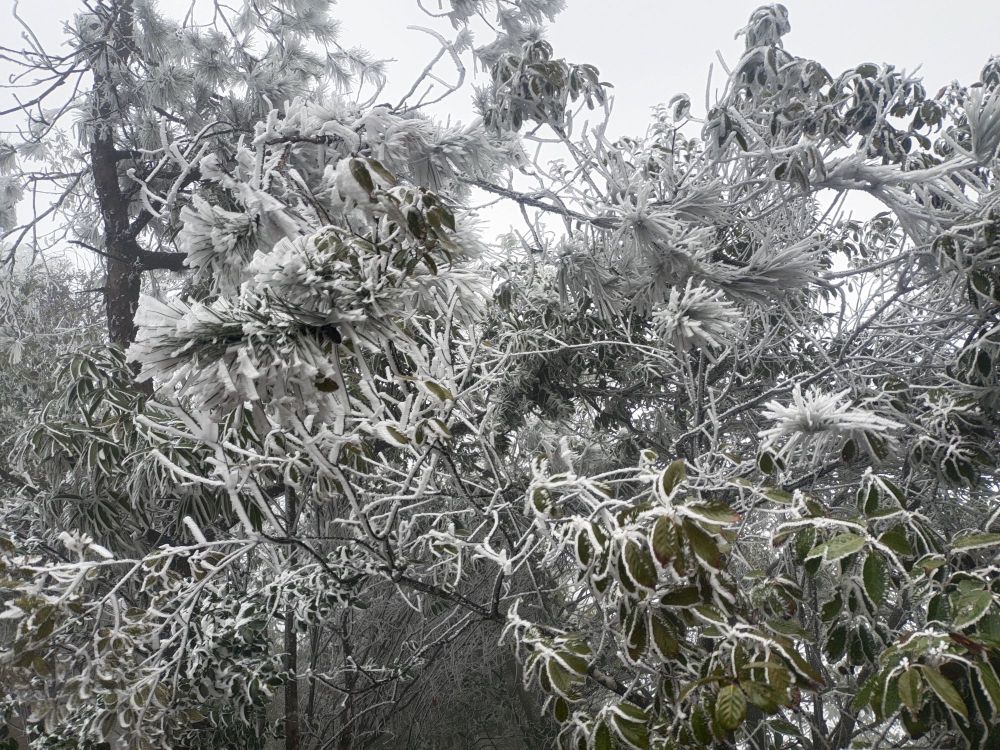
(652, 49)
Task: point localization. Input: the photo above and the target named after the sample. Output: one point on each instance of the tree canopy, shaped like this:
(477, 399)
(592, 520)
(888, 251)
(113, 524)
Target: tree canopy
(691, 460)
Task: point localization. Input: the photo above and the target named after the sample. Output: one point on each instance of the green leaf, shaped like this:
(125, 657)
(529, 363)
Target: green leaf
(631, 712)
(700, 726)
(975, 540)
(911, 689)
(672, 476)
(785, 727)
(868, 499)
(886, 701)
(440, 392)
(560, 710)
(832, 608)
(559, 678)
(629, 722)
(716, 513)
(327, 385)
(876, 577)
(970, 607)
(939, 609)
(710, 614)
(377, 167)
(360, 173)
(869, 646)
(664, 540)
(602, 737)
(895, 490)
(842, 546)
(634, 735)
(855, 649)
(778, 495)
(787, 627)
(439, 427)
(41, 667)
(765, 462)
(584, 549)
(540, 499)
(391, 435)
(639, 565)
(730, 707)
(804, 541)
(763, 696)
(849, 452)
(575, 662)
(816, 553)
(929, 563)
(863, 698)
(836, 643)
(685, 596)
(987, 677)
(896, 540)
(664, 638)
(703, 544)
(803, 669)
(945, 690)
(638, 638)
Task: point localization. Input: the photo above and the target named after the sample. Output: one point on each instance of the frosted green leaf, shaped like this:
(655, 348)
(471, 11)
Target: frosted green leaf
(970, 607)
(945, 691)
(842, 546)
(730, 707)
(975, 540)
(876, 577)
(672, 476)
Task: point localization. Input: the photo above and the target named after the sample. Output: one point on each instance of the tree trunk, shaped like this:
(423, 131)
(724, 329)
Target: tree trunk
(121, 251)
(291, 641)
(292, 682)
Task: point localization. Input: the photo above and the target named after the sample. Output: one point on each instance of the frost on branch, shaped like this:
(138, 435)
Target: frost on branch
(820, 421)
(218, 243)
(351, 442)
(696, 318)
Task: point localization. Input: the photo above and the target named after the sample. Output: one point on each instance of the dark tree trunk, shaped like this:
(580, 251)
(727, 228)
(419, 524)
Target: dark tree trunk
(124, 275)
(122, 283)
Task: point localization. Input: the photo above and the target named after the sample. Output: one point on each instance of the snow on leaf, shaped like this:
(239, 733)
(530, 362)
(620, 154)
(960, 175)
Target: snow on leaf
(970, 607)
(843, 545)
(975, 540)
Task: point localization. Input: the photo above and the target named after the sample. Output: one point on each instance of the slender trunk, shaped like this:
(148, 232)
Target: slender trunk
(292, 682)
(291, 640)
(315, 636)
(346, 730)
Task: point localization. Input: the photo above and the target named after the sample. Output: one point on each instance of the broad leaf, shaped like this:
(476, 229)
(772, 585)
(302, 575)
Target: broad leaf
(945, 691)
(730, 707)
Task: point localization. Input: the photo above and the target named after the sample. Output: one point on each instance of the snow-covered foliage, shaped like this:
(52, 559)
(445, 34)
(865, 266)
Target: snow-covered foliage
(712, 467)
(820, 421)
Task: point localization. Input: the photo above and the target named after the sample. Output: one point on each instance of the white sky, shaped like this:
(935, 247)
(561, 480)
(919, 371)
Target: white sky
(652, 49)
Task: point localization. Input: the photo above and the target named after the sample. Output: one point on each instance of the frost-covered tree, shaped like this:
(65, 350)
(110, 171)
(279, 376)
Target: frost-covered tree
(166, 177)
(691, 461)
